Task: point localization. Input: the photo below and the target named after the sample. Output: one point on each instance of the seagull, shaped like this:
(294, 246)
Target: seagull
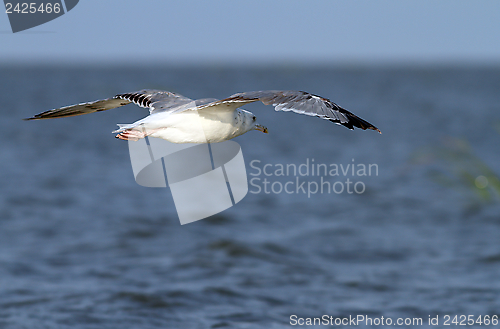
(179, 119)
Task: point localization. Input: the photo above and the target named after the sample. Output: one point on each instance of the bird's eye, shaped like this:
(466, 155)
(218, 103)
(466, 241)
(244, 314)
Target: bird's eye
(254, 118)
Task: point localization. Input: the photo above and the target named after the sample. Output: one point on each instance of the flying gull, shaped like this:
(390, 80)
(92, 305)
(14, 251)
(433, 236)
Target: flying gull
(179, 119)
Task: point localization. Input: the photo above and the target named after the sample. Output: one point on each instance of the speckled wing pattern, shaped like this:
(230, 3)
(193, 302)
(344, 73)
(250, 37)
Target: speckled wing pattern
(299, 102)
(157, 100)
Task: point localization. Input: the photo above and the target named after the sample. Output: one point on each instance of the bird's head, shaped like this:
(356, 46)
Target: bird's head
(250, 121)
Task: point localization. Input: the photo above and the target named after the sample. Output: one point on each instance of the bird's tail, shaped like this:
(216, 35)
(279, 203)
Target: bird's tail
(122, 127)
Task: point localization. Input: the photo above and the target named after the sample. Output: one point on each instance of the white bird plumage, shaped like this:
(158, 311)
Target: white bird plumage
(179, 119)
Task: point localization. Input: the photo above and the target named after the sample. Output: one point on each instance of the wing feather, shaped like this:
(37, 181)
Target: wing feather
(299, 102)
(79, 109)
(155, 100)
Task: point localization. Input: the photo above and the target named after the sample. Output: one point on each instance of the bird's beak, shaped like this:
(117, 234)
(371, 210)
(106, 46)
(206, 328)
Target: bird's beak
(261, 128)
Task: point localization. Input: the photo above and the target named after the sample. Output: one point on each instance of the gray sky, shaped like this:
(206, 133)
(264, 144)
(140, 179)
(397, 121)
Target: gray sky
(312, 31)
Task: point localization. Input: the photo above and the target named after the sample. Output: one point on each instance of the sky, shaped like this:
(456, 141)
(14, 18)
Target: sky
(262, 31)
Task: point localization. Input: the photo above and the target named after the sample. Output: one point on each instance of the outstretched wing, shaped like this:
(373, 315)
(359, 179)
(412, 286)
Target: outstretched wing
(299, 102)
(155, 100)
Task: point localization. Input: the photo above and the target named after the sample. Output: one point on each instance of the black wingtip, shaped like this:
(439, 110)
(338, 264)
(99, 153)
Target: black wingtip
(355, 121)
(358, 123)
(372, 127)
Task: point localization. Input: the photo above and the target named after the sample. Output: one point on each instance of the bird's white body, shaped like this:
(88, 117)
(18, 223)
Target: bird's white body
(192, 126)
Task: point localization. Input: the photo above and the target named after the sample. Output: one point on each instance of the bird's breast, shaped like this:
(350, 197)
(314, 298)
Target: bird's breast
(201, 127)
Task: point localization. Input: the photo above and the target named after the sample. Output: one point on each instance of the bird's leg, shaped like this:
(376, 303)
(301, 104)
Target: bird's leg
(135, 135)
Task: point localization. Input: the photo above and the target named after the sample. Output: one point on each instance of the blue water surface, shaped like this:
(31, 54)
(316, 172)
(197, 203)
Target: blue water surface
(83, 246)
